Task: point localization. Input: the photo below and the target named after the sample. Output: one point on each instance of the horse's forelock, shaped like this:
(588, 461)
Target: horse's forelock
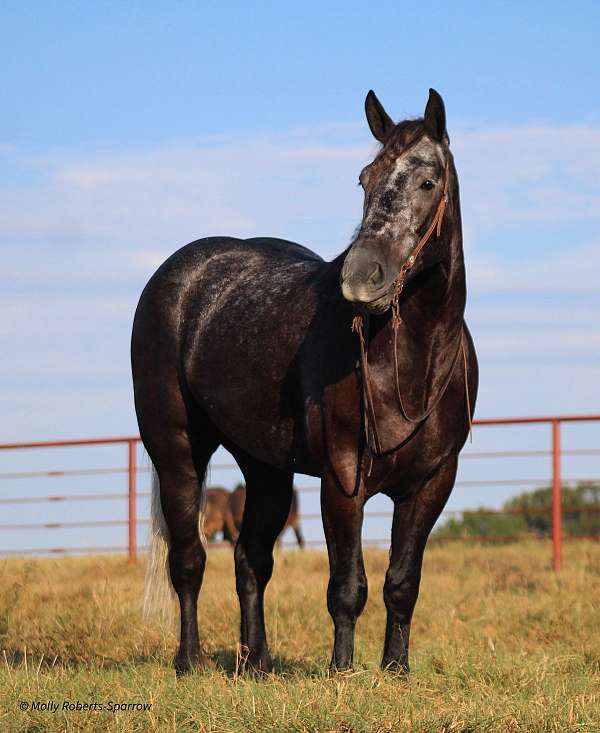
(405, 134)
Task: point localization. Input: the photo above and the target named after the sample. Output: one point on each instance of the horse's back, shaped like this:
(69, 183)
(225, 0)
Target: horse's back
(223, 252)
(213, 274)
(285, 248)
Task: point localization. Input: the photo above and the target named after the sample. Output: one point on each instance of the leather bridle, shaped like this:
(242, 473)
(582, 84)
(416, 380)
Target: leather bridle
(359, 327)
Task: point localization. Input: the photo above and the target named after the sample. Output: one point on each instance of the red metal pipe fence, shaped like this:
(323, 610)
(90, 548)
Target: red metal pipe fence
(132, 469)
(556, 498)
(132, 499)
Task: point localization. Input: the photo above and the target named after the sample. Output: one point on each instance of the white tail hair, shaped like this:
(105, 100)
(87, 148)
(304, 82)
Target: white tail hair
(159, 595)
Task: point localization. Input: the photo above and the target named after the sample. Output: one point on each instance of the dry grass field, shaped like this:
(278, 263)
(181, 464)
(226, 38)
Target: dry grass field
(499, 644)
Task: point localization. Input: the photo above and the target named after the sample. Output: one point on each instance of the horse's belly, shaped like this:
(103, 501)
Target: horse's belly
(252, 414)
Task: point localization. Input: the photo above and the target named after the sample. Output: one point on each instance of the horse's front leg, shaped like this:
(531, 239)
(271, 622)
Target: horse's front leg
(347, 590)
(413, 521)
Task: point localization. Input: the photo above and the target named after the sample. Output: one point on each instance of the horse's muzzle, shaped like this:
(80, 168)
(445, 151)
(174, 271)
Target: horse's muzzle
(363, 281)
(374, 301)
(363, 278)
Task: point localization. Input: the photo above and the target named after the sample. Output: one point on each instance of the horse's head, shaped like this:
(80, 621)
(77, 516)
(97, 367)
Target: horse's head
(405, 188)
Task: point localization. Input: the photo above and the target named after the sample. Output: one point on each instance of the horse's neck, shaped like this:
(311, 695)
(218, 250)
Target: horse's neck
(432, 312)
(411, 367)
(433, 303)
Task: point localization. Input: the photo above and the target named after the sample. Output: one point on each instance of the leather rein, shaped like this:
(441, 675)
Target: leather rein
(361, 328)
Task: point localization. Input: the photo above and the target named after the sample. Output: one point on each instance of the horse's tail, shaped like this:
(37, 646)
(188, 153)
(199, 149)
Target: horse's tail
(158, 590)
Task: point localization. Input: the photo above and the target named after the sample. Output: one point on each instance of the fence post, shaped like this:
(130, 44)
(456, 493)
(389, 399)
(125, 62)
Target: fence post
(556, 497)
(132, 475)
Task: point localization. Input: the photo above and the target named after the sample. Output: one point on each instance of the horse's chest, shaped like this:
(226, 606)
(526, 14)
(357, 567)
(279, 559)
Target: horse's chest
(404, 470)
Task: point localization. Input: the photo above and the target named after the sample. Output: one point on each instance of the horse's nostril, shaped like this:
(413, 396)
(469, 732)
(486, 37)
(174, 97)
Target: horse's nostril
(376, 276)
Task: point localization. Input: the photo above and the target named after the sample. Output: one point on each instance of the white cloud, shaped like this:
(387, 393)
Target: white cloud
(79, 243)
(172, 195)
(299, 184)
(574, 270)
(530, 173)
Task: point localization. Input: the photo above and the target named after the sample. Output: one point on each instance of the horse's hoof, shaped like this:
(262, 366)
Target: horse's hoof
(339, 668)
(186, 664)
(396, 667)
(259, 666)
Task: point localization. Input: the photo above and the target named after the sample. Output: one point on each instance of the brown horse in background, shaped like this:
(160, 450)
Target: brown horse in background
(218, 516)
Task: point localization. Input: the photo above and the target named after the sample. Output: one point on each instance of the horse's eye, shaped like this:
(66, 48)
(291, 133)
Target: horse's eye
(427, 185)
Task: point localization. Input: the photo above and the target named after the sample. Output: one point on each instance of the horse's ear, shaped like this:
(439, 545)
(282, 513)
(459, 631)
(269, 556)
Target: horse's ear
(435, 116)
(380, 122)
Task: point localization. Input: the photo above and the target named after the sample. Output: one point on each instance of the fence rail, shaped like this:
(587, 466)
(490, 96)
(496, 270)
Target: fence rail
(132, 470)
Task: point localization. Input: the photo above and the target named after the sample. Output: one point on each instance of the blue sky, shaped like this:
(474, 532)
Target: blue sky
(115, 75)
(129, 129)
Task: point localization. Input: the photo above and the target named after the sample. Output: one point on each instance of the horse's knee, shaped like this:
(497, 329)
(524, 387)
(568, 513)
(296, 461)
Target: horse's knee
(400, 592)
(346, 597)
(253, 564)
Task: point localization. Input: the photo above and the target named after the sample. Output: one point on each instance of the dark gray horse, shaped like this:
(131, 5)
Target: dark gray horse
(248, 344)
(237, 501)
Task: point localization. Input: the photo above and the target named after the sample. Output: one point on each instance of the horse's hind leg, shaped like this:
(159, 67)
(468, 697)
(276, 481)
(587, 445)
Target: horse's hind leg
(268, 498)
(181, 474)
(298, 532)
